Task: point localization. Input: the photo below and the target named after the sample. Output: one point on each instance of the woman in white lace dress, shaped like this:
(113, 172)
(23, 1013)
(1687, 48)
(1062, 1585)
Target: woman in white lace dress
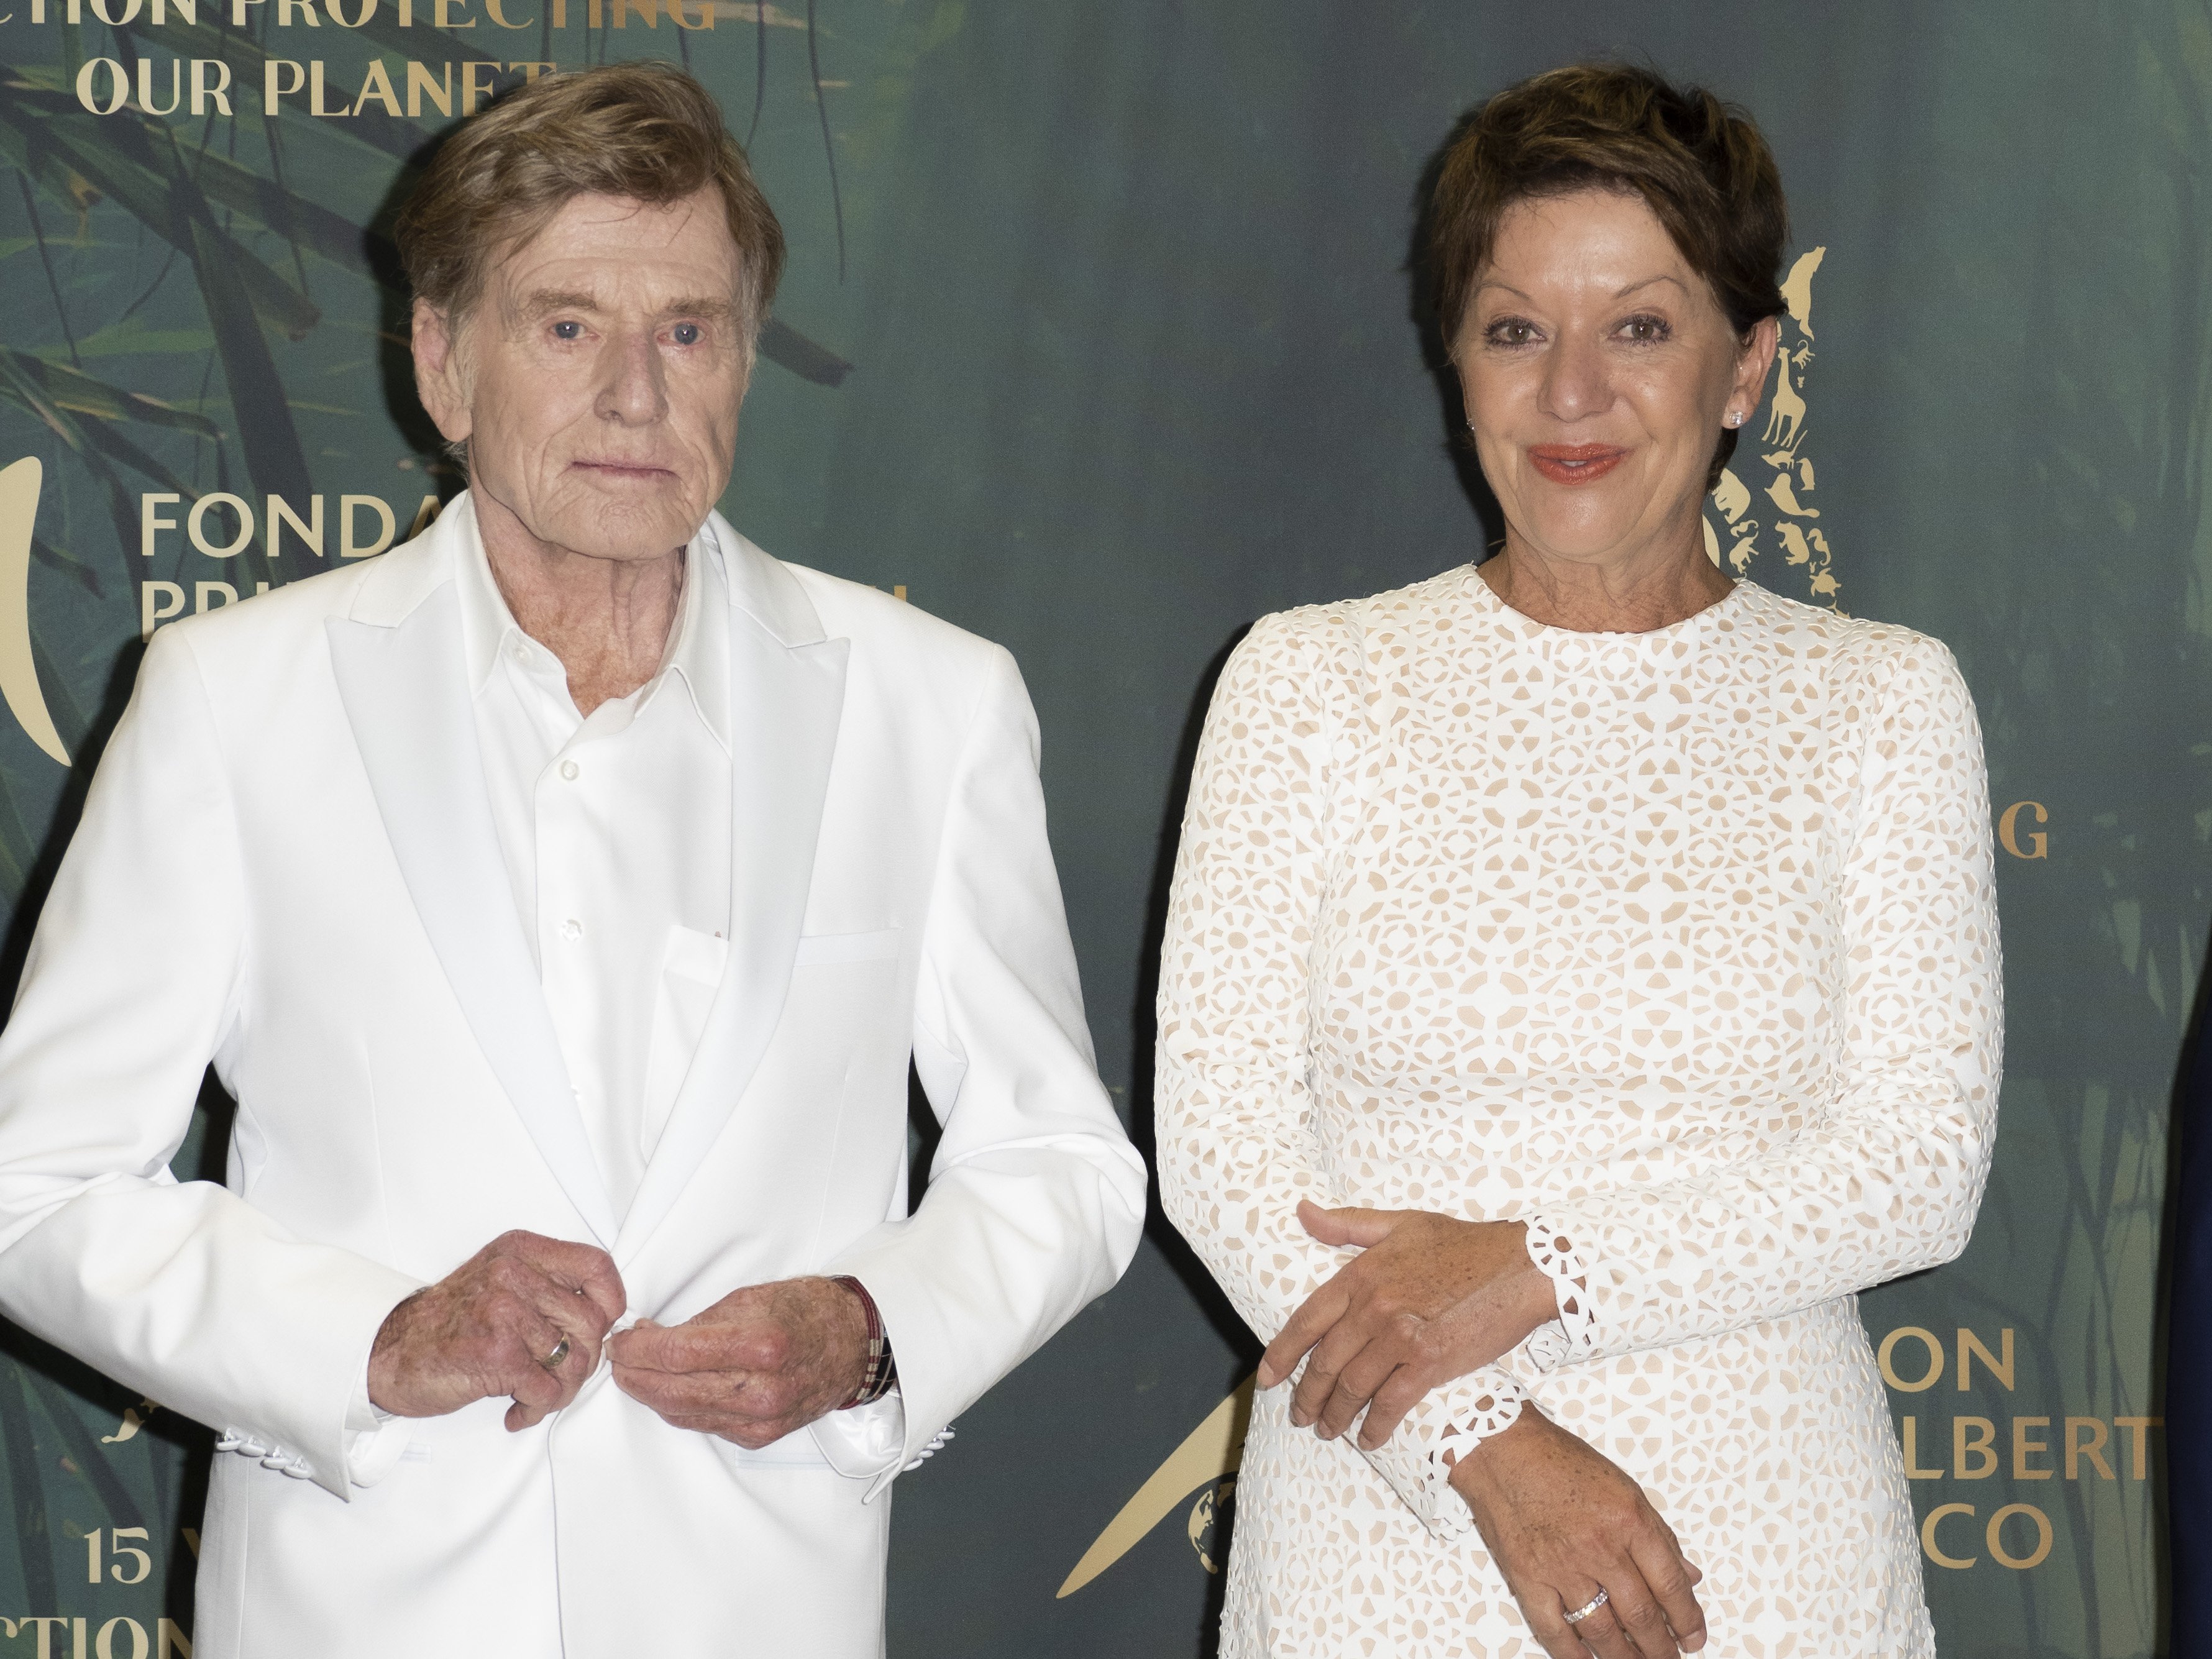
(1582, 979)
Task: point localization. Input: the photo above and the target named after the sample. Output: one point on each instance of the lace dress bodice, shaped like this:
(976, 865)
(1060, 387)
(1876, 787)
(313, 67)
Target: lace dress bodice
(1680, 946)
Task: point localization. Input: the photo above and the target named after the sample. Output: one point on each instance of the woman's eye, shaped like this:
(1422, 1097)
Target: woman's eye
(1510, 331)
(686, 334)
(567, 330)
(1645, 328)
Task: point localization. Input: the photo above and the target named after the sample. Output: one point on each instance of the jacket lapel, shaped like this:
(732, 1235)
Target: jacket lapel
(787, 692)
(405, 687)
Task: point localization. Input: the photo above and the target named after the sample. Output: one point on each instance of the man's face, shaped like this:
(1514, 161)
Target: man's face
(597, 378)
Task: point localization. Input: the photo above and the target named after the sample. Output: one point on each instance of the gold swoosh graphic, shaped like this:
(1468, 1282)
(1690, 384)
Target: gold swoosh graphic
(1213, 1449)
(19, 673)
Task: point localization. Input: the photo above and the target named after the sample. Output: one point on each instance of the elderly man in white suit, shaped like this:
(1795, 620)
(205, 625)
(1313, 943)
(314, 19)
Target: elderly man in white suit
(563, 896)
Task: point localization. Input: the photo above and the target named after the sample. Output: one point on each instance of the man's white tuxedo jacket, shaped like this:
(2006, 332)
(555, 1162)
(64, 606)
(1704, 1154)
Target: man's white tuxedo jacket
(287, 865)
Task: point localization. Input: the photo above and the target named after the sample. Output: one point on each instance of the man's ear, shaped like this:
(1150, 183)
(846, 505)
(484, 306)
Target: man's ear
(439, 381)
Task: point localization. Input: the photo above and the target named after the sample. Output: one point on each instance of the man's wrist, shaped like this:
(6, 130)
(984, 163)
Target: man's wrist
(880, 1375)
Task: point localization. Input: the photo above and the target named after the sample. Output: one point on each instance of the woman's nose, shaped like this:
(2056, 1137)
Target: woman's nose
(1574, 379)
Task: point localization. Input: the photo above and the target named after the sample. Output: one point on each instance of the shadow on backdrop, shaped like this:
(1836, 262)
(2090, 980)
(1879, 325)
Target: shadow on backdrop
(2183, 1491)
(1436, 349)
(1144, 1028)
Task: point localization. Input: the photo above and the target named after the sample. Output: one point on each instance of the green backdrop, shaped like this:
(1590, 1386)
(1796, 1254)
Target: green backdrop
(1099, 340)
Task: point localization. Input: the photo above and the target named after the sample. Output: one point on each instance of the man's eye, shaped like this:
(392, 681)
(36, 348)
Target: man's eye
(567, 330)
(686, 334)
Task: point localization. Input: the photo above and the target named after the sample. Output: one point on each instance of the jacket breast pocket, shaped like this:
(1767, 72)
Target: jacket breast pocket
(817, 950)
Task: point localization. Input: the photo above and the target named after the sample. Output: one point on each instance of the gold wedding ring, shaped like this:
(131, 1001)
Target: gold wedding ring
(552, 1362)
(1587, 1607)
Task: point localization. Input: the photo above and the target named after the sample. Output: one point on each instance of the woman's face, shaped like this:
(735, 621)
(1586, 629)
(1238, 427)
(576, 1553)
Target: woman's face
(1598, 372)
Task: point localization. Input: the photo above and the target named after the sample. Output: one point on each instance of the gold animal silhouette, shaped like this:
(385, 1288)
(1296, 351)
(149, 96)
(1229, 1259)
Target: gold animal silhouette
(1731, 496)
(1797, 289)
(1784, 494)
(1788, 412)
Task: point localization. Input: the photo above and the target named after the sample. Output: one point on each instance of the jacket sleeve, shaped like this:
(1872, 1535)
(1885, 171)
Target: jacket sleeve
(1886, 1174)
(1035, 1198)
(134, 983)
(1238, 1143)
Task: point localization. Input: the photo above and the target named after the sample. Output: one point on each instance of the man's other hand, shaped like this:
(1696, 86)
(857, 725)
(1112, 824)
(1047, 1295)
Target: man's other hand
(762, 1363)
(489, 1327)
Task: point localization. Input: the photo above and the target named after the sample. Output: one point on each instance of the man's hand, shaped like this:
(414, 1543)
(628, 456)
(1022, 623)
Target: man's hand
(1430, 1298)
(762, 1363)
(488, 1328)
(1562, 1520)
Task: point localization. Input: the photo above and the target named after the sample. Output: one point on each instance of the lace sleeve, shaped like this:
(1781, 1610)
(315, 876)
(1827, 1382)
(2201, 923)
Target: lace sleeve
(1888, 1172)
(1237, 1149)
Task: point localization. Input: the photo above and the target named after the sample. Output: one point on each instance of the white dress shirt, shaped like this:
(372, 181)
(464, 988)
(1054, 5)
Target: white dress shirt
(615, 828)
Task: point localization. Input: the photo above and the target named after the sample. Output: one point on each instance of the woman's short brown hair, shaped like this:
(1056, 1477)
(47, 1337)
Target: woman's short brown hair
(645, 132)
(1700, 165)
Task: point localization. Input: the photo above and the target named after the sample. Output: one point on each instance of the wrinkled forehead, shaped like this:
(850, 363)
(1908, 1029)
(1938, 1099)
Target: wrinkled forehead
(617, 248)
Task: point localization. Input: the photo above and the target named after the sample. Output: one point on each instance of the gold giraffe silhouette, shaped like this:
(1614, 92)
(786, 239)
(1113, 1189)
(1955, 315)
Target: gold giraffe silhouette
(1790, 475)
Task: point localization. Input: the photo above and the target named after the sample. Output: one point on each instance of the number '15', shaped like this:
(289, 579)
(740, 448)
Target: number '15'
(116, 1535)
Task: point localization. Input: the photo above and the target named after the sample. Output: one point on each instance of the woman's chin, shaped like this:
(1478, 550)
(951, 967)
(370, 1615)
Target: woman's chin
(1582, 538)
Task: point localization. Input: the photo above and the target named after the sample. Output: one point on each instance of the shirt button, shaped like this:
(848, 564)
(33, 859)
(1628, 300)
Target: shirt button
(572, 929)
(568, 770)
(522, 654)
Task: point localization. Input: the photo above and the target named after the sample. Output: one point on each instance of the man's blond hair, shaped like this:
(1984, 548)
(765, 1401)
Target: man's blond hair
(647, 132)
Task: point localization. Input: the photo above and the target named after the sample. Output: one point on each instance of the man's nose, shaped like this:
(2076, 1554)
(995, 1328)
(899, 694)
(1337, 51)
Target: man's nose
(634, 390)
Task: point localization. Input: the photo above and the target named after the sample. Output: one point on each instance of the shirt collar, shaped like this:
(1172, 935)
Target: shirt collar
(698, 651)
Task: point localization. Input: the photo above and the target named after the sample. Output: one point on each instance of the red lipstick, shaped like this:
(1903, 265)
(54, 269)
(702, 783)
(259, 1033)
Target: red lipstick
(1574, 464)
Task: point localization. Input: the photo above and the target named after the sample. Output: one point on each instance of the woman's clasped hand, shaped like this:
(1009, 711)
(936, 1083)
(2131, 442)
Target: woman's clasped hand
(1562, 1522)
(1428, 1298)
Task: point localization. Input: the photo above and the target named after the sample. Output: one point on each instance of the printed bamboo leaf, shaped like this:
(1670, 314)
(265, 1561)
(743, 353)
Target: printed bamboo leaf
(112, 443)
(46, 169)
(18, 1434)
(274, 458)
(79, 393)
(287, 214)
(65, 425)
(261, 201)
(40, 130)
(62, 560)
(781, 343)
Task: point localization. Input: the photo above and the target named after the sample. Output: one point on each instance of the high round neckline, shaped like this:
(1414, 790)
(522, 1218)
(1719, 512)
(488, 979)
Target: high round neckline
(1489, 597)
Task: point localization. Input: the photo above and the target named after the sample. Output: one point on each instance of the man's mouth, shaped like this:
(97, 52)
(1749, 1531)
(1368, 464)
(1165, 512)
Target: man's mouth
(624, 472)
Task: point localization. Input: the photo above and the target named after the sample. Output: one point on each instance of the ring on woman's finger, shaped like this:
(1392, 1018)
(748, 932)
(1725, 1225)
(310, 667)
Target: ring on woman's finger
(552, 1362)
(1587, 1607)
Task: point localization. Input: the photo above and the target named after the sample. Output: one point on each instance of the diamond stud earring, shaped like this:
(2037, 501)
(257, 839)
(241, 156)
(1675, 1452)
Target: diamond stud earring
(1735, 419)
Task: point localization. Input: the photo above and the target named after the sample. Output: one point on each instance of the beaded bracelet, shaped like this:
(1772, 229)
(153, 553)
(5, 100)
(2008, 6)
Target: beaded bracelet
(882, 1375)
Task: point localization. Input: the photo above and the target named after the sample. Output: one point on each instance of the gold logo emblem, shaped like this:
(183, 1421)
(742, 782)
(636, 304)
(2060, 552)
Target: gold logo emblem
(19, 672)
(1210, 1451)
